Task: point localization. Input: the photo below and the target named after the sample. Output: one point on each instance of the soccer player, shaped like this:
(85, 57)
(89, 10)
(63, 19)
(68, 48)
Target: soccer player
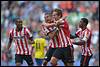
(22, 37)
(47, 32)
(40, 48)
(84, 35)
(61, 41)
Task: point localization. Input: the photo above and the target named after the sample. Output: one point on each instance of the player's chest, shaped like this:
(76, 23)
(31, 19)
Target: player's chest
(81, 34)
(19, 35)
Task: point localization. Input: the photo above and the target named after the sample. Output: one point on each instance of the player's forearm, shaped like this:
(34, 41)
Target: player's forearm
(81, 42)
(30, 42)
(50, 24)
(42, 34)
(73, 36)
(56, 23)
(52, 34)
(59, 22)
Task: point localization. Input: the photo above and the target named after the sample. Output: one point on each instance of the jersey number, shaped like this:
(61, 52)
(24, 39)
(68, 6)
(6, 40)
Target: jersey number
(37, 46)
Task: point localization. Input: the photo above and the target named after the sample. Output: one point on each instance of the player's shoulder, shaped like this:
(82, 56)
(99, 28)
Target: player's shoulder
(25, 27)
(11, 30)
(65, 19)
(88, 30)
(79, 29)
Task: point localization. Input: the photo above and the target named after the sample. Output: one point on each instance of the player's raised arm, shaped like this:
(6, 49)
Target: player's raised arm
(73, 36)
(53, 33)
(80, 42)
(56, 23)
(59, 22)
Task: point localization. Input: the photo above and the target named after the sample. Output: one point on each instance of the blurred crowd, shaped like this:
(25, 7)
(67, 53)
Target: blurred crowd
(32, 13)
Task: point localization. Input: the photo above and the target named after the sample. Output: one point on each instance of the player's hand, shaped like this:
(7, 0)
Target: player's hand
(41, 33)
(43, 24)
(72, 40)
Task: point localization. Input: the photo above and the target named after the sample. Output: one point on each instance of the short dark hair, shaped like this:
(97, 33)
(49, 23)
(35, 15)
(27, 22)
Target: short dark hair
(48, 13)
(85, 20)
(17, 19)
(59, 12)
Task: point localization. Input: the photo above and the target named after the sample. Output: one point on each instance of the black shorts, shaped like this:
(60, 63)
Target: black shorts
(85, 60)
(19, 59)
(49, 54)
(65, 54)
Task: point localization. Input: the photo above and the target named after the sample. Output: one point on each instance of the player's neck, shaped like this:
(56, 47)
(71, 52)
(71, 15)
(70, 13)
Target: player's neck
(83, 28)
(50, 22)
(19, 29)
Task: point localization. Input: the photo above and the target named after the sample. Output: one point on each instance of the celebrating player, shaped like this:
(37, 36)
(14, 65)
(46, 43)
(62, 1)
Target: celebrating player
(84, 41)
(22, 37)
(47, 32)
(61, 40)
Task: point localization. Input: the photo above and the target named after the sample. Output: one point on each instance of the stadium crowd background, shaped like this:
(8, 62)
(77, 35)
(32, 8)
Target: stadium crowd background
(32, 14)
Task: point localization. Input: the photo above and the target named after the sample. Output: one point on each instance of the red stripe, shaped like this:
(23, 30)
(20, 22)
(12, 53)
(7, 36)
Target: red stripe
(12, 32)
(63, 45)
(22, 43)
(53, 43)
(18, 44)
(77, 33)
(70, 42)
(16, 50)
(66, 31)
(50, 45)
(89, 43)
(26, 42)
(58, 42)
(27, 33)
(66, 39)
(59, 39)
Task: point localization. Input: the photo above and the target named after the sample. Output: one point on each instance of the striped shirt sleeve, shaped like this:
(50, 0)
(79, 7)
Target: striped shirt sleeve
(78, 32)
(86, 36)
(29, 33)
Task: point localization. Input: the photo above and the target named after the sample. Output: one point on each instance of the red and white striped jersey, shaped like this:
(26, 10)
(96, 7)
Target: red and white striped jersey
(21, 41)
(63, 36)
(86, 36)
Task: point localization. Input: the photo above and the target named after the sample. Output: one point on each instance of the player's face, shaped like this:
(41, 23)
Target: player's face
(55, 16)
(48, 18)
(19, 23)
(81, 24)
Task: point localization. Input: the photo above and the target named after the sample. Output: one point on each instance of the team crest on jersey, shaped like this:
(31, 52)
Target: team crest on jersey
(19, 37)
